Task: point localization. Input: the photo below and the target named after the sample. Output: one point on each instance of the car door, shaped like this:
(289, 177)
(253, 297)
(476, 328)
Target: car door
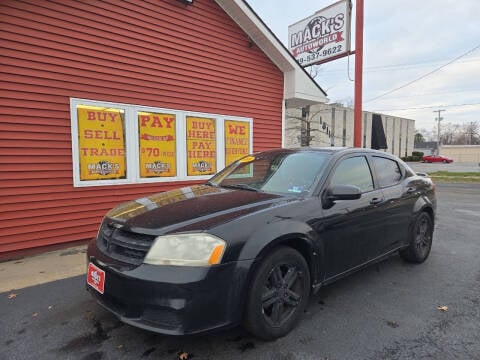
(350, 228)
(399, 198)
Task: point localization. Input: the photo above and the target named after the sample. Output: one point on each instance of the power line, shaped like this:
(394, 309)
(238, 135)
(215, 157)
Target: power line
(424, 76)
(390, 67)
(429, 107)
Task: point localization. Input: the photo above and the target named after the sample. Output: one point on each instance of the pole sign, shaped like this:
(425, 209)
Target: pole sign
(322, 36)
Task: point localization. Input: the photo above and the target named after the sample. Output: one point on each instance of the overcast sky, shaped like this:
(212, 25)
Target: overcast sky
(403, 40)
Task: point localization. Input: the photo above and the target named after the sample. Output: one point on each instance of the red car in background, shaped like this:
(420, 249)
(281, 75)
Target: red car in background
(436, 158)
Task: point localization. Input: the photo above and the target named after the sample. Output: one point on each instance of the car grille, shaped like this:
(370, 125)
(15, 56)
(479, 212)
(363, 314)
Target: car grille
(124, 245)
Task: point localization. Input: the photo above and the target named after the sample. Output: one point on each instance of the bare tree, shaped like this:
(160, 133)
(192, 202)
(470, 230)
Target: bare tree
(428, 135)
(472, 133)
(464, 134)
(305, 128)
(346, 102)
(314, 70)
(307, 118)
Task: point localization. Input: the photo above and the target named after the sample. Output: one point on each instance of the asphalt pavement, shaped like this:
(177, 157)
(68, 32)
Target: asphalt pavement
(392, 310)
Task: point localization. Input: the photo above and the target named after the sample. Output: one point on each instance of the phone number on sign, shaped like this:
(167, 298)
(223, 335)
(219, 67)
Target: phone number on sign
(321, 54)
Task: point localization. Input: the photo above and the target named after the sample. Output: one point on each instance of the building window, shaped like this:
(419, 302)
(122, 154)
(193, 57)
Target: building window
(157, 154)
(201, 146)
(101, 143)
(237, 140)
(115, 144)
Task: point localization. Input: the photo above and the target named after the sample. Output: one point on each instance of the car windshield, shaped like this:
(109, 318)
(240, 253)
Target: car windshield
(286, 172)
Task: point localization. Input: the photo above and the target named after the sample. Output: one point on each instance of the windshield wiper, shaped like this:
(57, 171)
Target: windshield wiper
(241, 186)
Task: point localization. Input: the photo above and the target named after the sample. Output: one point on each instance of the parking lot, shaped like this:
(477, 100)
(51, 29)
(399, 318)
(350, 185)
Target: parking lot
(392, 310)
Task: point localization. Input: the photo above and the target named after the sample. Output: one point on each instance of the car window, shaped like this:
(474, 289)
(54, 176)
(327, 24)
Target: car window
(353, 171)
(407, 170)
(387, 171)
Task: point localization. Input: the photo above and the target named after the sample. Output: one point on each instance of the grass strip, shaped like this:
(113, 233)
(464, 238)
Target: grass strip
(448, 176)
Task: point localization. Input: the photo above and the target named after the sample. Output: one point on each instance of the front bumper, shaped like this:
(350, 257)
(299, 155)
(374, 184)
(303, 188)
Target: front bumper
(173, 300)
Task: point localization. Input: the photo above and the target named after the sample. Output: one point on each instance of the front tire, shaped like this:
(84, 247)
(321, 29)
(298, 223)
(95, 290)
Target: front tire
(420, 242)
(278, 295)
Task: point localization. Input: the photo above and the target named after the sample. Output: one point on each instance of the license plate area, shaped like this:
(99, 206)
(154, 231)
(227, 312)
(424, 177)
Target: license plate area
(96, 278)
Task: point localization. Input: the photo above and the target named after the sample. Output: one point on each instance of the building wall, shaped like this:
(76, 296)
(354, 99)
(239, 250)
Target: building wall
(366, 130)
(160, 53)
(399, 132)
(461, 153)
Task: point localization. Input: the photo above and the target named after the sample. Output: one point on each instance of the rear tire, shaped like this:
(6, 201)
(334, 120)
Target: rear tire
(420, 242)
(444, 161)
(278, 295)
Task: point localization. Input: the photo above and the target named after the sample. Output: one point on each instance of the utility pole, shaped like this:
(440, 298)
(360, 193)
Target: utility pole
(439, 118)
(357, 117)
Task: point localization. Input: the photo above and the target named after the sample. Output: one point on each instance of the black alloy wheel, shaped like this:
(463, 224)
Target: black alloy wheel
(279, 294)
(420, 240)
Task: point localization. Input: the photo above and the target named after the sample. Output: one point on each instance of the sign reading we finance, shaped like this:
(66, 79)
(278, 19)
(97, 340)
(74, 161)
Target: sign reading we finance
(101, 140)
(237, 140)
(322, 36)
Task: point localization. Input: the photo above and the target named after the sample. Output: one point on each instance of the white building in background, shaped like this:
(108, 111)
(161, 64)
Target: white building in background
(332, 125)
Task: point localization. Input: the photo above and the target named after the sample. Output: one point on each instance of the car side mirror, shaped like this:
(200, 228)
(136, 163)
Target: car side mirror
(341, 192)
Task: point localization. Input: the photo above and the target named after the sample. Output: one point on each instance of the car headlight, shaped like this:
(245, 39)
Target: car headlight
(186, 250)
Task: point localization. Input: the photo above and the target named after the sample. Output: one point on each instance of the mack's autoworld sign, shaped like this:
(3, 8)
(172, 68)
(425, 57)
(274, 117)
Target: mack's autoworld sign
(322, 36)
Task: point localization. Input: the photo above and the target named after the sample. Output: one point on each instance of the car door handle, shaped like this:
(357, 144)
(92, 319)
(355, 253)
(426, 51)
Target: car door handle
(376, 200)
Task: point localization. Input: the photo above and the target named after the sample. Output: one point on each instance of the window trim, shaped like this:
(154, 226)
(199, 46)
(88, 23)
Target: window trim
(132, 142)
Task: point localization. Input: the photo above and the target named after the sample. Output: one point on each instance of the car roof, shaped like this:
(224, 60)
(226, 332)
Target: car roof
(332, 150)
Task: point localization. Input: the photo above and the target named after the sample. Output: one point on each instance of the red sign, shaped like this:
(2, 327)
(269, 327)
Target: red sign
(322, 37)
(96, 278)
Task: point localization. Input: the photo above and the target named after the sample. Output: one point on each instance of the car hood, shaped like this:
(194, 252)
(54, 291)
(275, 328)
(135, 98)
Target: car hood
(190, 209)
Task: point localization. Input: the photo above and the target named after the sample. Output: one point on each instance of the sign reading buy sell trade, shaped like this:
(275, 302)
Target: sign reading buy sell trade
(157, 145)
(201, 146)
(101, 141)
(322, 36)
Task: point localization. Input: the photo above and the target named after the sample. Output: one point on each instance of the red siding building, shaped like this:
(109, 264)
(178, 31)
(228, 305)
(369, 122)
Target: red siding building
(209, 59)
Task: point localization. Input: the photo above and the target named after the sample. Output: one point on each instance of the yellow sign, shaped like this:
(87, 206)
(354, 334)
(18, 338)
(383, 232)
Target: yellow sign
(237, 140)
(201, 146)
(157, 145)
(101, 140)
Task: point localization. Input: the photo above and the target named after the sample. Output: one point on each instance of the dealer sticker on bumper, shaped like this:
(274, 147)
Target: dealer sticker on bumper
(96, 277)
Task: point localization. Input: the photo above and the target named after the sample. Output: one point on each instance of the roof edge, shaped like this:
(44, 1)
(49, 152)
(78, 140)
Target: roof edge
(247, 19)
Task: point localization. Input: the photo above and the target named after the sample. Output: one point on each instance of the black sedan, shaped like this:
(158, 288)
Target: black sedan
(251, 245)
